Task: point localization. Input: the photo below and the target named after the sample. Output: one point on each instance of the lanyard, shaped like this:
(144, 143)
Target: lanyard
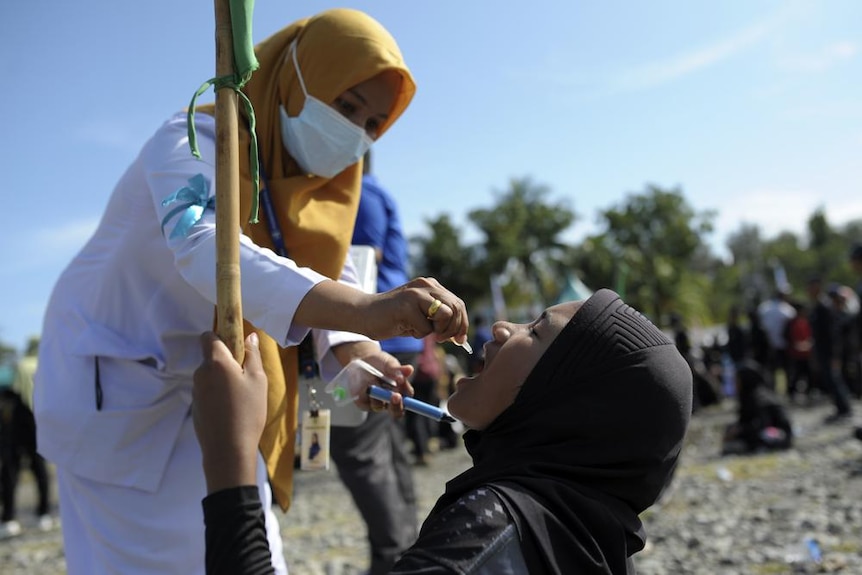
(271, 220)
(307, 365)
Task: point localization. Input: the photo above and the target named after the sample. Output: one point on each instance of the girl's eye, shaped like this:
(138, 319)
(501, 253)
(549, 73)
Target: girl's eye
(536, 322)
(372, 127)
(345, 107)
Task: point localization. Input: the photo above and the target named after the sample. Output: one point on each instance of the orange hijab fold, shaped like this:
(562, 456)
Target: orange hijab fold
(336, 50)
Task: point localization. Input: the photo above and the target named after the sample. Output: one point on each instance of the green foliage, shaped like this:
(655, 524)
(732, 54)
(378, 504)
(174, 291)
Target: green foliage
(656, 234)
(651, 248)
(523, 228)
(823, 253)
(8, 354)
(692, 300)
(442, 257)
(725, 291)
(594, 259)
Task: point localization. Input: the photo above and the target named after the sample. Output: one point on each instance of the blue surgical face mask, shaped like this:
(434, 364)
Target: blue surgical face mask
(322, 141)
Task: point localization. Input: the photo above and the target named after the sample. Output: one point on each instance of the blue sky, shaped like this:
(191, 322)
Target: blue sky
(753, 108)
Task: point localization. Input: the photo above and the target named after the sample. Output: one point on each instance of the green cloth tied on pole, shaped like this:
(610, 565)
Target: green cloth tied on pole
(244, 63)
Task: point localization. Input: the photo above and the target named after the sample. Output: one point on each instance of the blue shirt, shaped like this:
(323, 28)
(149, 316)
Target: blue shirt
(378, 225)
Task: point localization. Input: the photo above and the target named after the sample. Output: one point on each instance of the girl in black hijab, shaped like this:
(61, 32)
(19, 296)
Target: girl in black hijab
(762, 421)
(576, 423)
(577, 449)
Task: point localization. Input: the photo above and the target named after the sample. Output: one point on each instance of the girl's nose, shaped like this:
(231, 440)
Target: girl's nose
(502, 330)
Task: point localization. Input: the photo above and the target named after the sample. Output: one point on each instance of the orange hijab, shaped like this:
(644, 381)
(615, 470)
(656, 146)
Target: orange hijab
(336, 50)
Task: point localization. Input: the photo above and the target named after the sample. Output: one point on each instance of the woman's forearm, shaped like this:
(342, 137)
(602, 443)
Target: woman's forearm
(334, 306)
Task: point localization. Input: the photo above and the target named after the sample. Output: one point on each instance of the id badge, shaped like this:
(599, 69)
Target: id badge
(314, 445)
(341, 414)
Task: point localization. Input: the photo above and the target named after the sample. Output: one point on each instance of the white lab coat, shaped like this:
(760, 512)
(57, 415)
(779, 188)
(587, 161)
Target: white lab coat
(130, 474)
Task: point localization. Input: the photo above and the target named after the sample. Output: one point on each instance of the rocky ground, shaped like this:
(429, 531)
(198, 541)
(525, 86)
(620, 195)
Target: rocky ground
(722, 515)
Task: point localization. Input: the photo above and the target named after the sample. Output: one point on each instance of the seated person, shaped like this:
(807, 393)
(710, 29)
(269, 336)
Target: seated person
(575, 427)
(762, 422)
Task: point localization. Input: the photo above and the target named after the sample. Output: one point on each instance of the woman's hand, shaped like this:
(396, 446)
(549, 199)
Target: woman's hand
(371, 353)
(417, 308)
(229, 412)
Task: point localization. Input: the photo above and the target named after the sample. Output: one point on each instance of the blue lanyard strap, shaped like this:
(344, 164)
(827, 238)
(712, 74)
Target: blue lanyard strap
(308, 367)
(271, 220)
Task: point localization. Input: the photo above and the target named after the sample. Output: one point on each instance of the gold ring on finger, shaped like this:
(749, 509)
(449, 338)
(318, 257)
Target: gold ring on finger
(432, 309)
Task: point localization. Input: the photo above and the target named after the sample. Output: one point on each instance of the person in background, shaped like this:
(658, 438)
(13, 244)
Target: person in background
(481, 335)
(575, 427)
(120, 339)
(737, 339)
(845, 309)
(774, 314)
(856, 265)
(757, 339)
(762, 421)
(449, 432)
(372, 459)
(706, 388)
(800, 342)
(827, 362)
(680, 336)
(18, 443)
(421, 431)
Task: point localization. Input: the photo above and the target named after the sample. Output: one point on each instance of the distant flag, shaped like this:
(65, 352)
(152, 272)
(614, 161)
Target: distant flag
(780, 278)
(497, 299)
(574, 290)
(621, 275)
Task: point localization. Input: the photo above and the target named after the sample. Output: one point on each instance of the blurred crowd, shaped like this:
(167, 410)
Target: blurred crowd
(18, 445)
(789, 349)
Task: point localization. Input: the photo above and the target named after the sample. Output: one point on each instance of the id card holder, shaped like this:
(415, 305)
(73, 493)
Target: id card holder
(315, 440)
(315, 426)
(341, 414)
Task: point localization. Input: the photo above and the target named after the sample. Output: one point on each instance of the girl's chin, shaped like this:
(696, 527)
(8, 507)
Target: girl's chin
(465, 379)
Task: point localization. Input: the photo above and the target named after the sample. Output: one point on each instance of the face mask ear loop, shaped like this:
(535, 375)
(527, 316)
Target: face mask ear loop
(296, 65)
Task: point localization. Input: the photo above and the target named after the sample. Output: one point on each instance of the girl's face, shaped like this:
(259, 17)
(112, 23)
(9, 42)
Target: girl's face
(368, 103)
(509, 358)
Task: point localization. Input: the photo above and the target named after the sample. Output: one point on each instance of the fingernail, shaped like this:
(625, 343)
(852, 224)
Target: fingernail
(253, 339)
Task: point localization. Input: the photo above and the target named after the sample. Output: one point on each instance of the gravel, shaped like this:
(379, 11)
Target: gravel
(727, 515)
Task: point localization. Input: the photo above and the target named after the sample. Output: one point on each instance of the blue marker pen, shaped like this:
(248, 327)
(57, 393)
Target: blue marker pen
(410, 404)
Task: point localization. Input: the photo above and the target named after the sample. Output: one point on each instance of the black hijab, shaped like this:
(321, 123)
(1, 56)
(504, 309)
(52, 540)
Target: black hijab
(752, 391)
(589, 442)
(759, 408)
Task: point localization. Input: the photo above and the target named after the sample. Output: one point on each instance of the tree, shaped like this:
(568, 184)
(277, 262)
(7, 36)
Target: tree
(786, 252)
(828, 248)
(852, 232)
(656, 235)
(821, 252)
(525, 229)
(597, 264)
(442, 256)
(819, 229)
(746, 246)
(7, 353)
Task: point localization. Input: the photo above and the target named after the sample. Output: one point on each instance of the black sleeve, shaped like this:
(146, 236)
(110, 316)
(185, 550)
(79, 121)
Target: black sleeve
(236, 541)
(473, 535)
(859, 324)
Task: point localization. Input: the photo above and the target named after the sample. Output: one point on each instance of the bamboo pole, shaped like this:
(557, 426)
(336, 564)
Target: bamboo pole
(228, 294)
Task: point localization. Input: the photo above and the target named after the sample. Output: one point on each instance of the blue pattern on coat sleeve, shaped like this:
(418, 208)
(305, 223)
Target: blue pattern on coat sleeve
(194, 200)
